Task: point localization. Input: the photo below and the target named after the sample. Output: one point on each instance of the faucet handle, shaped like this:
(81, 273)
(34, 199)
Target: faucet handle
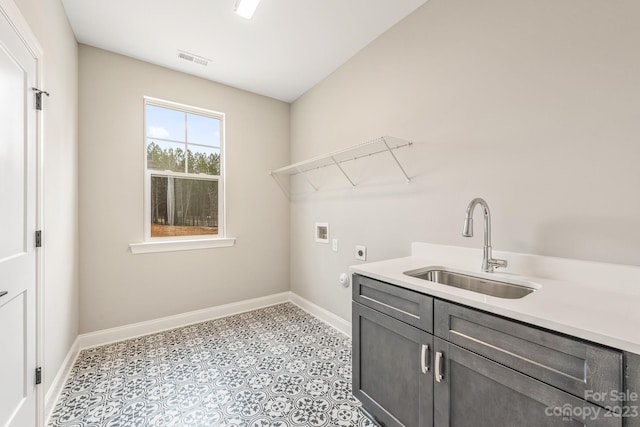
(497, 263)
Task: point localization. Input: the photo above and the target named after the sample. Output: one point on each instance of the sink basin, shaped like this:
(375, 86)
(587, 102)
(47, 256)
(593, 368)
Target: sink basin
(495, 288)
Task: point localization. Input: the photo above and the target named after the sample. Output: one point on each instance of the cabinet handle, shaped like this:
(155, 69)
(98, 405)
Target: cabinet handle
(439, 374)
(424, 363)
(3, 293)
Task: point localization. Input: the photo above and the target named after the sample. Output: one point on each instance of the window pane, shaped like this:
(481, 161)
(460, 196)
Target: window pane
(162, 155)
(204, 160)
(183, 207)
(165, 123)
(203, 130)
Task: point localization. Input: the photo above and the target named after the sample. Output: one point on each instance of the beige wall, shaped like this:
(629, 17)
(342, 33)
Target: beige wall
(60, 228)
(118, 287)
(533, 105)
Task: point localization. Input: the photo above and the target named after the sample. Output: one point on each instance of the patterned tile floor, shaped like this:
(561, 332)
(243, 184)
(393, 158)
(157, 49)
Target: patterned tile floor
(278, 366)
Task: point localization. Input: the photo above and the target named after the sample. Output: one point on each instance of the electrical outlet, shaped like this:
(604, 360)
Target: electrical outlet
(361, 252)
(334, 245)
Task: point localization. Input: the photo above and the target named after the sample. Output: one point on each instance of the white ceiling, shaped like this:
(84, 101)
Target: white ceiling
(288, 46)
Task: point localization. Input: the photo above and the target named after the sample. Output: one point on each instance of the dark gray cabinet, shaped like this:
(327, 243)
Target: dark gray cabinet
(479, 369)
(411, 307)
(583, 369)
(471, 390)
(392, 372)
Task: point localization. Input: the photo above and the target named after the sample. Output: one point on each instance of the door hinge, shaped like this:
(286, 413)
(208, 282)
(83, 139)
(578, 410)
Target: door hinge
(38, 376)
(38, 238)
(39, 94)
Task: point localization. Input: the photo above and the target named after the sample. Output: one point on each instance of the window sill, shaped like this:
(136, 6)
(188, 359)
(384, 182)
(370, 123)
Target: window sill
(180, 245)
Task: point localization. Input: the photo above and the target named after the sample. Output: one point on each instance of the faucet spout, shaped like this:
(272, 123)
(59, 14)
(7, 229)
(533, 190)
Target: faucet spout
(489, 264)
(467, 231)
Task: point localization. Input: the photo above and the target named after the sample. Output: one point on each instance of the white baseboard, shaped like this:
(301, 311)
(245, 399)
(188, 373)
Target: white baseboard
(326, 316)
(53, 393)
(108, 336)
(121, 333)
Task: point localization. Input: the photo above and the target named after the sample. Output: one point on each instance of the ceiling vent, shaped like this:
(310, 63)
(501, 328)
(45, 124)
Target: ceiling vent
(190, 57)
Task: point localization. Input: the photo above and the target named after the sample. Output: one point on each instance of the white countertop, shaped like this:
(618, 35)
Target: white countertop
(574, 301)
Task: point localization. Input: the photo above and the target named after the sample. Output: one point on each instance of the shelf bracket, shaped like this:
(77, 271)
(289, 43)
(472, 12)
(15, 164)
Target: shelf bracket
(384, 140)
(307, 178)
(343, 172)
(284, 190)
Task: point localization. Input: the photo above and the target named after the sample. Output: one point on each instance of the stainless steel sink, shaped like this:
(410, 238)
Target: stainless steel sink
(482, 285)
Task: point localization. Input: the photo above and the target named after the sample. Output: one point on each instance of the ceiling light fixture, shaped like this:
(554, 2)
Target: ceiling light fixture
(246, 8)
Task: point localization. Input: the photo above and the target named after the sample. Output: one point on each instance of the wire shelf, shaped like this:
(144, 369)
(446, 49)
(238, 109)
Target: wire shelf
(384, 144)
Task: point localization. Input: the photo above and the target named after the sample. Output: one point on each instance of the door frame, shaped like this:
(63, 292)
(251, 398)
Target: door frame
(10, 11)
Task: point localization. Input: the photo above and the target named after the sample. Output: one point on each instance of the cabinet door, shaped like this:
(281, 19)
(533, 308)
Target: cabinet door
(477, 392)
(392, 372)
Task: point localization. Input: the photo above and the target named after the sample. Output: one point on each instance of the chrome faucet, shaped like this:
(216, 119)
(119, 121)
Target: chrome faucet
(488, 263)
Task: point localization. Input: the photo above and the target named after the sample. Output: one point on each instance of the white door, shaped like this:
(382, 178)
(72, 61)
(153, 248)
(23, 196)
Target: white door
(17, 230)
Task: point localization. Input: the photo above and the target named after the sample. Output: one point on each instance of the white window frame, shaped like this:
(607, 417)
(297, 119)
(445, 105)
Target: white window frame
(159, 244)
